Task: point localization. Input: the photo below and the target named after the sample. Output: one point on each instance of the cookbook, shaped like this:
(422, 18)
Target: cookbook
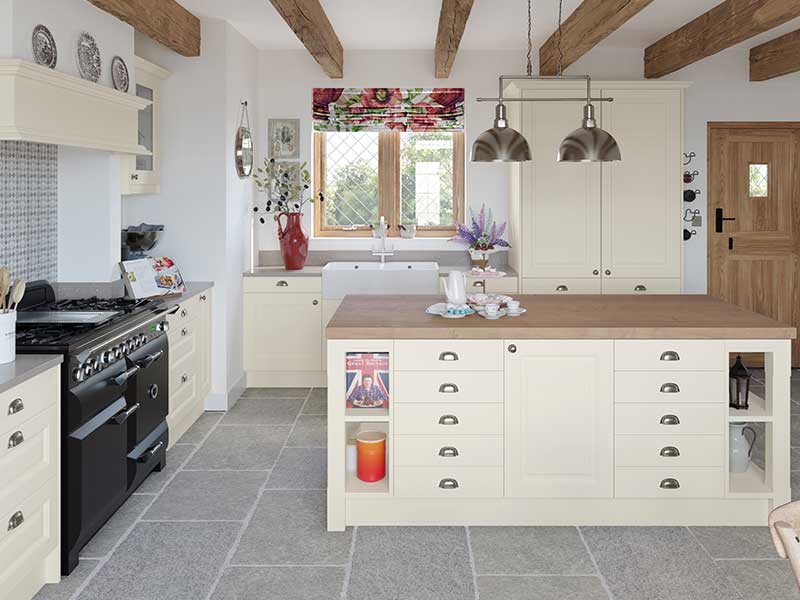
(152, 276)
(367, 379)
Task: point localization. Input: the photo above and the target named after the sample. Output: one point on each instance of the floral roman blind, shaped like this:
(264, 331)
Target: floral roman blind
(388, 109)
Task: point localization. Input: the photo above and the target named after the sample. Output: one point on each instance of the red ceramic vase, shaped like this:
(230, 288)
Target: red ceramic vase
(294, 242)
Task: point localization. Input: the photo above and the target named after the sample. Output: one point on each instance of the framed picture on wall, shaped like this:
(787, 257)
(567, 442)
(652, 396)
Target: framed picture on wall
(284, 138)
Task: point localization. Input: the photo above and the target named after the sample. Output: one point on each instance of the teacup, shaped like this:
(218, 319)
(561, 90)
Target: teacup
(512, 306)
(492, 310)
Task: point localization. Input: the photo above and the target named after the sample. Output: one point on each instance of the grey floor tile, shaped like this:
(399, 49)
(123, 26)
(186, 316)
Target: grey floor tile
(176, 457)
(762, 579)
(64, 589)
(794, 392)
(289, 528)
(795, 430)
(541, 588)
(178, 561)
(795, 407)
(317, 403)
(795, 459)
(264, 411)
(656, 563)
(412, 563)
(795, 481)
(104, 540)
(736, 542)
(276, 393)
(196, 433)
(310, 431)
(208, 496)
(300, 469)
(280, 583)
(241, 447)
(530, 551)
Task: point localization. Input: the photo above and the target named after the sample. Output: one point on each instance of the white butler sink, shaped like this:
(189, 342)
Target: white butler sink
(342, 278)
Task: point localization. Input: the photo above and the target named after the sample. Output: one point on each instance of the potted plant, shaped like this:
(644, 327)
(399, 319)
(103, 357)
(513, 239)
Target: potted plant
(482, 237)
(286, 186)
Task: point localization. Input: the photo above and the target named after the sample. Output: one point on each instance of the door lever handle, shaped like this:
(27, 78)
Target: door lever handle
(149, 359)
(124, 415)
(123, 377)
(720, 219)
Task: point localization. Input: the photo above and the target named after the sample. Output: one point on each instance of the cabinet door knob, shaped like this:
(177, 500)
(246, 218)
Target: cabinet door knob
(670, 388)
(184, 313)
(669, 356)
(448, 483)
(203, 298)
(281, 283)
(670, 420)
(640, 288)
(15, 439)
(17, 405)
(670, 452)
(608, 271)
(448, 452)
(315, 302)
(562, 288)
(184, 378)
(512, 348)
(596, 272)
(448, 356)
(16, 520)
(448, 420)
(184, 332)
(135, 177)
(670, 483)
(448, 388)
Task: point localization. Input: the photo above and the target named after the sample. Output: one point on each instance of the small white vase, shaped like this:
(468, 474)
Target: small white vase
(740, 448)
(8, 339)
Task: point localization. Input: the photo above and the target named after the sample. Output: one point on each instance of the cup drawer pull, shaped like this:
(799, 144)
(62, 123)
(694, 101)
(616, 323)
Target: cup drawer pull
(670, 452)
(281, 283)
(640, 288)
(448, 452)
(448, 483)
(670, 420)
(17, 405)
(670, 483)
(448, 388)
(448, 356)
(16, 439)
(670, 388)
(448, 420)
(562, 288)
(670, 356)
(16, 520)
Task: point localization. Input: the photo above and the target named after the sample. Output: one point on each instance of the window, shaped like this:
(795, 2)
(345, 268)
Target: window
(407, 177)
(759, 180)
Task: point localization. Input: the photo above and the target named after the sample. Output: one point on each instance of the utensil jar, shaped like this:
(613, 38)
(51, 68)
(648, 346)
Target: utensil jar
(371, 456)
(8, 331)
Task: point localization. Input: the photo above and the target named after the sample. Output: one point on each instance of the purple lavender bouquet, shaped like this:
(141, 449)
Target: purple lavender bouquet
(480, 235)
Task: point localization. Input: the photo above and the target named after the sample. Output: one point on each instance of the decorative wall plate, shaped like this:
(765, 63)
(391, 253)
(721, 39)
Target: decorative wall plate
(119, 74)
(88, 54)
(44, 47)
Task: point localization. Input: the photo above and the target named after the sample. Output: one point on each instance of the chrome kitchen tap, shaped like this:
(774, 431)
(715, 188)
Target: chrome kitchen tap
(384, 250)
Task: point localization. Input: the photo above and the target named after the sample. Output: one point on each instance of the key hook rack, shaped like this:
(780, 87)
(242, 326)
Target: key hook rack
(687, 158)
(690, 214)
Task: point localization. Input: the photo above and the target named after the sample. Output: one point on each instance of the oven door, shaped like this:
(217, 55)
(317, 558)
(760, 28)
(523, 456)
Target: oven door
(149, 389)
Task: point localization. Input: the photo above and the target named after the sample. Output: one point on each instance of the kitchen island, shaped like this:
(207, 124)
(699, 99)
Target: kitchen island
(584, 410)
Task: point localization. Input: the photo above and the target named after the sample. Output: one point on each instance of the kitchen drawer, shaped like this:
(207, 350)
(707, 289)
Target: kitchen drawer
(182, 340)
(449, 419)
(22, 402)
(496, 285)
(183, 313)
(675, 387)
(448, 355)
(24, 547)
(670, 355)
(641, 286)
(278, 285)
(448, 482)
(655, 418)
(561, 286)
(669, 451)
(430, 386)
(686, 483)
(28, 456)
(448, 451)
(182, 387)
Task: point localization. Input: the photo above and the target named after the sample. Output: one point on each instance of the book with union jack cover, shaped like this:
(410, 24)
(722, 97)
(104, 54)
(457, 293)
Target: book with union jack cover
(367, 379)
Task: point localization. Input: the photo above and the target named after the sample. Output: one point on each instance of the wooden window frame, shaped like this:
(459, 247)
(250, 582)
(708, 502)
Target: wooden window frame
(389, 195)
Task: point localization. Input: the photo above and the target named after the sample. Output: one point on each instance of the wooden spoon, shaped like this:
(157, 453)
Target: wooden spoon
(17, 292)
(4, 283)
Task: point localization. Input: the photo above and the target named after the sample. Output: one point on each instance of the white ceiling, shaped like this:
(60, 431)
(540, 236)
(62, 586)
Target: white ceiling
(412, 24)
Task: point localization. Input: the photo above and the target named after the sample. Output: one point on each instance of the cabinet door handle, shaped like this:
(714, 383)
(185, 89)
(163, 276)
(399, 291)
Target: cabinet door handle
(608, 271)
(15, 439)
(281, 283)
(512, 348)
(670, 452)
(640, 288)
(448, 420)
(448, 356)
(448, 452)
(448, 388)
(17, 405)
(122, 416)
(670, 388)
(150, 453)
(315, 302)
(669, 356)
(670, 420)
(16, 520)
(478, 284)
(448, 483)
(562, 288)
(670, 483)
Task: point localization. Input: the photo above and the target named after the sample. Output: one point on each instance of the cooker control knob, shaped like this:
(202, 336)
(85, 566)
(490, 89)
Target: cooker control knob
(96, 364)
(106, 357)
(142, 339)
(137, 341)
(77, 373)
(118, 352)
(88, 370)
(163, 326)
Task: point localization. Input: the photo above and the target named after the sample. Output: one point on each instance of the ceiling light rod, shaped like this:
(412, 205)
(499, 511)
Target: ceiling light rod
(503, 78)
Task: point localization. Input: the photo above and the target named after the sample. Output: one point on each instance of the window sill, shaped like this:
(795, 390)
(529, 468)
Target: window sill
(398, 244)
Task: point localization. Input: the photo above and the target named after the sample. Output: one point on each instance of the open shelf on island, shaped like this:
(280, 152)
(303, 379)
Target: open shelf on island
(757, 410)
(353, 485)
(752, 482)
(366, 414)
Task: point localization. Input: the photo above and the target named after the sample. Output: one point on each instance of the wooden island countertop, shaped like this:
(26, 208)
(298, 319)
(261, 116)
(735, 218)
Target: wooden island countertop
(558, 317)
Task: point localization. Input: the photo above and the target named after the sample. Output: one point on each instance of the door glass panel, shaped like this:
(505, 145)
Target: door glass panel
(759, 180)
(143, 162)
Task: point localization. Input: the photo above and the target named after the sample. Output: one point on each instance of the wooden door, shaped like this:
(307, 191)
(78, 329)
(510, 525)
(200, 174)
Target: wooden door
(559, 419)
(754, 186)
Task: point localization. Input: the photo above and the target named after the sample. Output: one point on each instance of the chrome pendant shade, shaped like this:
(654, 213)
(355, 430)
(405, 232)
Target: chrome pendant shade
(589, 143)
(501, 143)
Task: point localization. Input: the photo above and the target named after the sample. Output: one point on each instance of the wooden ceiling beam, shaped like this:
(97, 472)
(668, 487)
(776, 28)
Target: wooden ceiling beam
(588, 25)
(311, 25)
(723, 26)
(452, 21)
(165, 21)
(775, 58)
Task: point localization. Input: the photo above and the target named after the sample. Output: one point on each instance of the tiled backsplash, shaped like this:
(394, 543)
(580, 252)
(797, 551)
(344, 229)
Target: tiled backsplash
(29, 209)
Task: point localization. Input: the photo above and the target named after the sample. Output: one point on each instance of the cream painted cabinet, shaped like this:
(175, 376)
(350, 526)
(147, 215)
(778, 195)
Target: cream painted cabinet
(559, 419)
(204, 345)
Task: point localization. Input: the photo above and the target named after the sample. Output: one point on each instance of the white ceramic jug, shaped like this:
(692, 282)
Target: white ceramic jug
(456, 288)
(740, 448)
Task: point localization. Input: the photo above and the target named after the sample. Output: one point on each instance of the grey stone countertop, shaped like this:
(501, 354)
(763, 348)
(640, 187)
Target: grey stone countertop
(27, 366)
(316, 271)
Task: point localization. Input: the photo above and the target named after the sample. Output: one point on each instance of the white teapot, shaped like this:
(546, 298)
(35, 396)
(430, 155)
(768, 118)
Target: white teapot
(456, 288)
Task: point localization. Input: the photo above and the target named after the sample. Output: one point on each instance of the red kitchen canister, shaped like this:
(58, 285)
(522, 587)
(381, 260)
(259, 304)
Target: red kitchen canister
(371, 456)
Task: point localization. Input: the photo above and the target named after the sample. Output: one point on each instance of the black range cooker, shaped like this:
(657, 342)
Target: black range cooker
(114, 388)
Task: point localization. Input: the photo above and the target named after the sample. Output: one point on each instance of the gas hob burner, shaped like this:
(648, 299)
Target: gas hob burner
(95, 304)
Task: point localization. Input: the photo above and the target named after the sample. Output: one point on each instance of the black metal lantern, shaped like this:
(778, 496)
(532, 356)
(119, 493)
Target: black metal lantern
(739, 385)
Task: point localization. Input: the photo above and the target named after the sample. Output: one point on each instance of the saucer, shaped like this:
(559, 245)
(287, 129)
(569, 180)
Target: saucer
(521, 311)
(500, 314)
